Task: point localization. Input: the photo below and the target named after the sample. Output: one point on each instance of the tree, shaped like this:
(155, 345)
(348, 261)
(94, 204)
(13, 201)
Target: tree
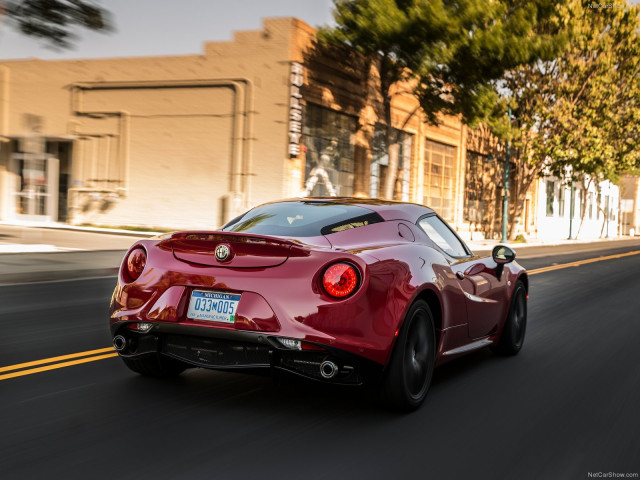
(576, 113)
(53, 20)
(446, 53)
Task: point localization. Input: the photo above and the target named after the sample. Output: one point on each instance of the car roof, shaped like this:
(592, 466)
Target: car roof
(387, 209)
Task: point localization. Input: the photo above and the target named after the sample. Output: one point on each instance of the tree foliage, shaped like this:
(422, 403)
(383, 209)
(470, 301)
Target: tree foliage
(577, 114)
(450, 52)
(54, 20)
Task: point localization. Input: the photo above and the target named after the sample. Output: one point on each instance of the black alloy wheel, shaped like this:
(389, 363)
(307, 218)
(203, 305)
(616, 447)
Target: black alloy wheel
(515, 327)
(412, 362)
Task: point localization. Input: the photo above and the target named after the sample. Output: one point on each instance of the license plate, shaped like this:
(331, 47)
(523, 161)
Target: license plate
(213, 306)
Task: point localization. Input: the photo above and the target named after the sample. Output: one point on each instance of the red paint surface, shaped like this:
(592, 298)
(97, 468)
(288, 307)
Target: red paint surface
(280, 281)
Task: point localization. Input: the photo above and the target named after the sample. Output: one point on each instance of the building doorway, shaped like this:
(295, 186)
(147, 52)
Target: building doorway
(36, 189)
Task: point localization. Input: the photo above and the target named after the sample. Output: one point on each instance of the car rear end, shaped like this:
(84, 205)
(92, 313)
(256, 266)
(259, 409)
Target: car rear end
(238, 300)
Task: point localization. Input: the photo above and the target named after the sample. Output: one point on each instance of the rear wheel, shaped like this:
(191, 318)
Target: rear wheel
(155, 365)
(412, 361)
(515, 326)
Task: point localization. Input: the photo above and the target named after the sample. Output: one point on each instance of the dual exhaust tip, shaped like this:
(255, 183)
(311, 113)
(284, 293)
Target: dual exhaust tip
(328, 369)
(119, 343)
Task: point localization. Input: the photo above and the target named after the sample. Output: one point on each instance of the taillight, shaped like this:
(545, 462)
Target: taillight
(136, 261)
(340, 280)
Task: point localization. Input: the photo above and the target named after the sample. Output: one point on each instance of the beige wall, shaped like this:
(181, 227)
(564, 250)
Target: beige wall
(164, 141)
(630, 195)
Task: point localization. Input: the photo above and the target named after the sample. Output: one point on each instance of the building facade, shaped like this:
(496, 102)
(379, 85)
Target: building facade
(585, 210)
(192, 141)
(630, 205)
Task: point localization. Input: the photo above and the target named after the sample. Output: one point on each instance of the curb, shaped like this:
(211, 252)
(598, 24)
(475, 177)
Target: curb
(105, 231)
(486, 245)
(48, 276)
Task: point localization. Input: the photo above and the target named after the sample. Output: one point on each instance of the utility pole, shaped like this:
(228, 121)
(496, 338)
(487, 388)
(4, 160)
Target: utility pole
(505, 205)
(571, 206)
(606, 213)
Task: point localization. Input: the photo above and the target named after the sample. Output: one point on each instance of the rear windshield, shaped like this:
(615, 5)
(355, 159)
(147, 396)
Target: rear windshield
(302, 219)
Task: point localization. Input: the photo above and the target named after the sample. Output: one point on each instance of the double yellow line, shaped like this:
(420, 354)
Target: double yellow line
(581, 262)
(52, 363)
(62, 361)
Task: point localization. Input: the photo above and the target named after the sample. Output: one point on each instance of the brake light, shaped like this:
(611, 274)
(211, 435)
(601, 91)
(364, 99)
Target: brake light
(340, 280)
(136, 261)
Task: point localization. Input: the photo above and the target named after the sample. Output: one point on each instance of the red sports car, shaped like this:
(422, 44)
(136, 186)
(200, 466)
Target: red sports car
(339, 290)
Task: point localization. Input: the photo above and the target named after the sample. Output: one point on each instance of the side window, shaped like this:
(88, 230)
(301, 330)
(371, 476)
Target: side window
(443, 236)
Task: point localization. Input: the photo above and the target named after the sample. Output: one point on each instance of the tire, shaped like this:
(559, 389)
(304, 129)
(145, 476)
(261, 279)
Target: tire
(412, 362)
(155, 365)
(515, 327)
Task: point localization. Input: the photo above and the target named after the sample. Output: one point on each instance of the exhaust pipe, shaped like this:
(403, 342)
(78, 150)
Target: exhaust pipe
(119, 343)
(328, 369)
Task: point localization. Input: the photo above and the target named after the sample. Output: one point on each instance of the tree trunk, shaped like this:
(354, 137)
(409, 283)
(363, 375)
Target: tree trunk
(392, 150)
(521, 185)
(391, 138)
(583, 212)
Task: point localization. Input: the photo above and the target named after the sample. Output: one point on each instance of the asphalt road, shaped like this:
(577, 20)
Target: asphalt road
(567, 406)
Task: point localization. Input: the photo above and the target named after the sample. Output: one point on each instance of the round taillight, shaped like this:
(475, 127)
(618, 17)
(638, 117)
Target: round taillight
(136, 262)
(340, 280)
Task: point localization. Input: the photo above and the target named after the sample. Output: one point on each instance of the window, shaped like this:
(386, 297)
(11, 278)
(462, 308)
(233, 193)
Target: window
(477, 166)
(590, 205)
(551, 187)
(328, 151)
(443, 236)
(302, 219)
(561, 195)
(380, 164)
(439, 165)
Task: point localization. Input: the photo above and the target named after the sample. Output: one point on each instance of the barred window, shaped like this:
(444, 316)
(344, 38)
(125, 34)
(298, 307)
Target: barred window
(480, 171)
(439, 165)
(328, 151)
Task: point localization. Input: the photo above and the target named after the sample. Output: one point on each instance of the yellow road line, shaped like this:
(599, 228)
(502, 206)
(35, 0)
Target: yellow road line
(55, 359)
(57, 365)
(581, 262)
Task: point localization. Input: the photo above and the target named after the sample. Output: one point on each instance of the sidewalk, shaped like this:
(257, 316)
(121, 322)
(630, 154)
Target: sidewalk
(487, 245)
(37, 253)
(34, 253)
(31, 237)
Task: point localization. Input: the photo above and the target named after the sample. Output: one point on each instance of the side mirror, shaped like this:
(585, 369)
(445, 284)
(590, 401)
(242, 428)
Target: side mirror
(502, 255)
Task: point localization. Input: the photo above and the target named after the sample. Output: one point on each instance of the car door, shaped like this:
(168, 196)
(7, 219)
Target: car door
(484, 290)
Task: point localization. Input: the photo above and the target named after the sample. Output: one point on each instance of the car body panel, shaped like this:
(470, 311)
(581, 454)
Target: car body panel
(280, 283)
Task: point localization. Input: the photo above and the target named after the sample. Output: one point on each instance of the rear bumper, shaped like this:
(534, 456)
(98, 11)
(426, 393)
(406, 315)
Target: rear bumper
(245, 351)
